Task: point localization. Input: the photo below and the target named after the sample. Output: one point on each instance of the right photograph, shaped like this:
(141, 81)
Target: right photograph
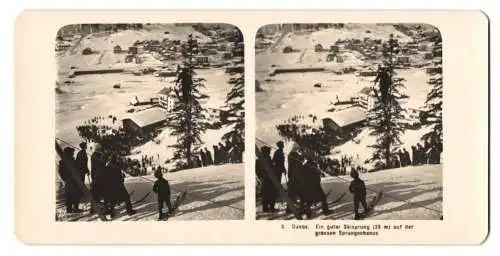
(349, 122)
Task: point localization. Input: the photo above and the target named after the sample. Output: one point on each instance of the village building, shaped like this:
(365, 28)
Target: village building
(428, 55)
(331, 57)
(356, 47)
(318, 48)
(403, 60)
(214, 113)
(368, 72)
(413, 115)
(144, 122)
(434, 70)
(365, 98)
(133, 50)
(131, 58)
(227, 55)
(201, 59)
(222, 47)
(211, 51)
(166, 99)
(334, 48)
(346, 121)
(117, 49)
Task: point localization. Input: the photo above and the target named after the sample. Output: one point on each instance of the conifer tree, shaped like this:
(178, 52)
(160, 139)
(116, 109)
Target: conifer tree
(434, 101)
(235, 101)
(385, 119)
(188, 120)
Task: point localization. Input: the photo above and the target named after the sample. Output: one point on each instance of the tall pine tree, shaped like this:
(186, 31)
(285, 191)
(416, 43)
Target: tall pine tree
(188, 120)
(235, 101)
(434, 101)
(385, 119)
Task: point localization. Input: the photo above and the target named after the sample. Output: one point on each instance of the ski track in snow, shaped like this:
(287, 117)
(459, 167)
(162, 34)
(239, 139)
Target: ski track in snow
(222, 184)
(421, 185)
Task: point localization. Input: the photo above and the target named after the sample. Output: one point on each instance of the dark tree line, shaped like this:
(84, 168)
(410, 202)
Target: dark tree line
(235, 103)
(434, 101)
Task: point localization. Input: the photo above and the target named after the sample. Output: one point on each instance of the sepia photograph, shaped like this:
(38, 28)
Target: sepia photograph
(150, 122)
(349, 122)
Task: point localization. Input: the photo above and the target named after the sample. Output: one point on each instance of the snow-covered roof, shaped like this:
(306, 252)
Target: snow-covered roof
(148, 117)
(347, 116)
(366, 91)
(165, 91)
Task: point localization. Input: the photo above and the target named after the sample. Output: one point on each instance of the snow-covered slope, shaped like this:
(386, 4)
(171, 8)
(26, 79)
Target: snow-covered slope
(214, 193)
(406, 192)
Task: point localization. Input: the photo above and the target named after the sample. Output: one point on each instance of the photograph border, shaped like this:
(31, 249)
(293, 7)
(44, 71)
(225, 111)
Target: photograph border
(465, 65)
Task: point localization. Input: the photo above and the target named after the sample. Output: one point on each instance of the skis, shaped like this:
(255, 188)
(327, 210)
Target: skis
(141, 199)
(175, 205)
(371, 205)
(86, 213)
(337, 199)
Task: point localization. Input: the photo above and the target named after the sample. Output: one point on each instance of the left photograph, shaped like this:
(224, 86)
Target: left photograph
(149, 122)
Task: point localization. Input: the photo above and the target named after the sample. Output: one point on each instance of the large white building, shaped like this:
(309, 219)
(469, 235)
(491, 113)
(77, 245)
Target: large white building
(166, 99)
(365, 98)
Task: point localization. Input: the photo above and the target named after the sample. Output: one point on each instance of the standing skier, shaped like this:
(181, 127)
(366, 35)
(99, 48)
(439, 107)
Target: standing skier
(162, 188)
(358, 189)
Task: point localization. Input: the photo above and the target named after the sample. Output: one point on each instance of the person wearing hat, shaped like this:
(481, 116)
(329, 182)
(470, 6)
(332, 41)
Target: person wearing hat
(82, 161)
(71, 191)
(279, 159)
(358, 189)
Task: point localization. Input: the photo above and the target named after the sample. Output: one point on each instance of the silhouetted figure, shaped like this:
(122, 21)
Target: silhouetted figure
(81, 162)
(312, 191)
(414, 154)
(421, 154)
(407, 157)
(162, 188)
(384, 80)
(203, 158)
(223, 153)
(279, 159)
(208, 155)
(72, 192)
(266, 173)
(197, 161)
(216, 155)
(116, 192)
(397, 162)
(295, 160)
(402, 159)
(358, 189)
(185, 78)
(97, 174)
